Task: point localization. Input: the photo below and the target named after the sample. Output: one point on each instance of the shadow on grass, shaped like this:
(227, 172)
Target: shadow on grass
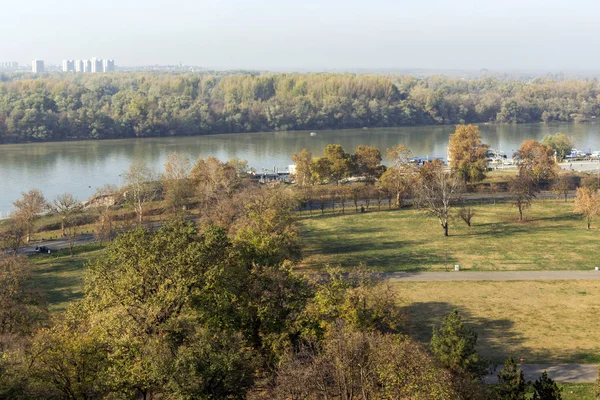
(497, 339)
(60, 276)
(384, 255)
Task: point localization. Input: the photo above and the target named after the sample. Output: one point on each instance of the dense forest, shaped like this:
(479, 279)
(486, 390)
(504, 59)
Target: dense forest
(127, 105)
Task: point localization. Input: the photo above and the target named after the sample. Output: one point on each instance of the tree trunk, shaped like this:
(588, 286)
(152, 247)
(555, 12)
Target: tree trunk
(445, 226)
(62, 227)
(589, 222)
(520, 214)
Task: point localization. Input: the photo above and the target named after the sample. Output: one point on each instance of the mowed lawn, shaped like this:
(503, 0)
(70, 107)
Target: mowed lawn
(539, 321)
(551, 238)
(60, 276)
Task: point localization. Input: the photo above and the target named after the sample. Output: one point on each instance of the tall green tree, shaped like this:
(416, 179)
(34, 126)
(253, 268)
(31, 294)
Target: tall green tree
(545, 388)
(340, 162)
(367, 163)
(454, 346)
(511, 382)
(560, 143)
(303, 173)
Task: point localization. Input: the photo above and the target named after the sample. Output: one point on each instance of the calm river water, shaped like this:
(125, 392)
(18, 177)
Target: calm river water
(81, 167)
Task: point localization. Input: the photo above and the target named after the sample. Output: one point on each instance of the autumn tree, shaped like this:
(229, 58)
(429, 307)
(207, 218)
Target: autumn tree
(591, 182)
(523, 190)
(362, 365)
(177, 187)
(12, 237)
(320, 169)
(438, 190)
(563, 185)
(65, 205)
(28, 210)
(340, 162)
(303, 172)
(587, 202)
(367, 163)
(467, 154)
(560, 143)
(22, 306)
(536, 161)
(102, 202)
(141, 187)
(399, 178)
(216, 185)
(141, 294)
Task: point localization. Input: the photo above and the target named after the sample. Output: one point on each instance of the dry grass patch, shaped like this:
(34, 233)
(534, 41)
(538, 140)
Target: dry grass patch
(540, 321)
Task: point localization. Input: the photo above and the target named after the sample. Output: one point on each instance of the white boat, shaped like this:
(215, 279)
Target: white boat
(313, 134)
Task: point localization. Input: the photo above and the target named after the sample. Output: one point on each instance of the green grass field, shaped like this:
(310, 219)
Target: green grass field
(539, 321)
(577, 391)
(60, 276)
(552, 238)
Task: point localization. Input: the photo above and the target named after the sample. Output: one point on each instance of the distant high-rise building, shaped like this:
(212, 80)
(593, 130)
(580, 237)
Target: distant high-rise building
(78, 65)
(37, 66)
(108, 65)
(87, 65)
(9, 65)
(68, 66)
(96, 65)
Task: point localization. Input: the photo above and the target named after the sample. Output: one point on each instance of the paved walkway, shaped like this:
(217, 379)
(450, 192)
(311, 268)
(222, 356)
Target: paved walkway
(564, 373)
(493, 276)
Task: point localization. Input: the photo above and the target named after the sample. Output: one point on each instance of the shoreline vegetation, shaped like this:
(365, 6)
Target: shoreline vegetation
(139, 105)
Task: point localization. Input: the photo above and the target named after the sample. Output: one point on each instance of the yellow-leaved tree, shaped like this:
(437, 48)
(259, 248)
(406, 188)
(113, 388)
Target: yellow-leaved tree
(467, 154)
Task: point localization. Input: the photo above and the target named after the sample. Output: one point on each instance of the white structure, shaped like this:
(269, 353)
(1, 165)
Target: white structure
(108, 65)
(68, 66)
(37, 66)
(9, 65)
(96, 65)
(87, 65)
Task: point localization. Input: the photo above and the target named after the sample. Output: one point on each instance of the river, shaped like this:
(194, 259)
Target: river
(81, 167)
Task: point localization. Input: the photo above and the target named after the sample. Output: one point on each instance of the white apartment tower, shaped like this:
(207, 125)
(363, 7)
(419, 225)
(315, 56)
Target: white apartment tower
(68, 66)
(37, 66)
(87, 65)
(108, 65)
(96, 65)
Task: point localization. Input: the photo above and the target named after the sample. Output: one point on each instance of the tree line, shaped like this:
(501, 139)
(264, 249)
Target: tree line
(131, 105)
(205, 190)
(434, 187)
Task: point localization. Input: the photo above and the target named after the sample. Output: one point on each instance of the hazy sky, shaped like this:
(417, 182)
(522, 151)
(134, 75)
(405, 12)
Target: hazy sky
(269, 34)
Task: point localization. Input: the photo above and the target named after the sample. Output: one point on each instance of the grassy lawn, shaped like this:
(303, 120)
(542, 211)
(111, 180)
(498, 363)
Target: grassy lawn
(539, 321)
(552, 237)
(577, 391)
(61, 276)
